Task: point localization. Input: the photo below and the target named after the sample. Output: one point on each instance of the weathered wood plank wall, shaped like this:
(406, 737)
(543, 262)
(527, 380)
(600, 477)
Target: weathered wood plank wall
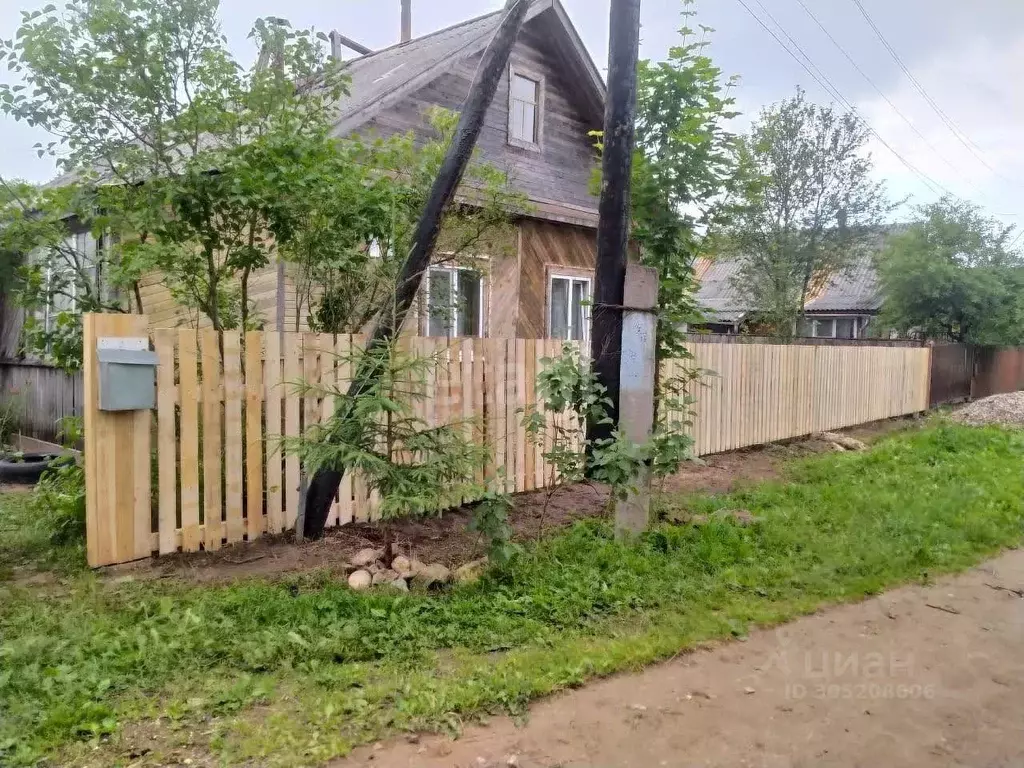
(40, 396)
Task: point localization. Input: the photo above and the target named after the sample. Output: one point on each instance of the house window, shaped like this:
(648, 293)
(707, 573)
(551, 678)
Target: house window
(846, 328)
(455, 302)
(569, 310)
(77, 257)
(524, 110)
(828, 327)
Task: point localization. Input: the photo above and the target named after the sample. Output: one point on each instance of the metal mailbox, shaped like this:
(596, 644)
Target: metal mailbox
(127, 380)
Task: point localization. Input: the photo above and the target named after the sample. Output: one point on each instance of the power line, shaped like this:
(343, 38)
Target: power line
(834, 92)
(955, 129)
(881, 93)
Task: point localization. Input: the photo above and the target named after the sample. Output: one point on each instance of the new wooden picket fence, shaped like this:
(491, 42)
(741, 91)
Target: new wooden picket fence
(224, 401)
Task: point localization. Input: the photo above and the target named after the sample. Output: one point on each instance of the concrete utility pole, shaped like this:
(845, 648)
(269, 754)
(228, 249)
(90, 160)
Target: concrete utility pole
(636, 395)
(613, 225)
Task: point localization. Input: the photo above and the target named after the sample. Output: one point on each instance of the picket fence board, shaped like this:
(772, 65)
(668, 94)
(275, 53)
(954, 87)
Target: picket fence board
(209, 344)
(255, 521)
(273, 395)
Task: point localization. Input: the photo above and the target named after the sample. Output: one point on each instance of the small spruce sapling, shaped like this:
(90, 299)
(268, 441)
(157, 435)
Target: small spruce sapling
(413, 468)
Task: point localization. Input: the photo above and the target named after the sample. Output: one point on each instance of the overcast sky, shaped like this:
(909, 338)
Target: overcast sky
(967, 57)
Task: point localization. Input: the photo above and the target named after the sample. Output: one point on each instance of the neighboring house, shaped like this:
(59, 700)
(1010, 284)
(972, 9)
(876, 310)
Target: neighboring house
(537, 129)
(843, 309)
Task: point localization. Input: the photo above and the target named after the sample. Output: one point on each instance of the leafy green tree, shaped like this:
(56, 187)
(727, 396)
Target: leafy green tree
(187, 164)
(813, 212)
(953, 276)
(349, 224)
(685, 176)
(685, 173)
(170, 147)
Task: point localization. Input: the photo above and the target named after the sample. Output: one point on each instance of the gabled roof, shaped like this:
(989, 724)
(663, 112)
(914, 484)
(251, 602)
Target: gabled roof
(383, 78)
(852, 290)
(717, 295)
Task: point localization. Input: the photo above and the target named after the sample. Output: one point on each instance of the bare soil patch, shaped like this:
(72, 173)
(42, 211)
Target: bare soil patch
(891, 681)
(447, 540)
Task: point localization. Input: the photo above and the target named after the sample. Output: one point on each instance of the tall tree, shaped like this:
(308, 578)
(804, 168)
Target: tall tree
(170, 147)
(953, 276)
(686, 173)
(814, 211)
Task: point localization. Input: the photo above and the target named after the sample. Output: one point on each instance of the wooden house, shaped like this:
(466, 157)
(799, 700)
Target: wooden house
(537, 129)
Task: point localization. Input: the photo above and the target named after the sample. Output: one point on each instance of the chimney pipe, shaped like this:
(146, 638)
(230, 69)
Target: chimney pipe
(406, 21)
(335, 45)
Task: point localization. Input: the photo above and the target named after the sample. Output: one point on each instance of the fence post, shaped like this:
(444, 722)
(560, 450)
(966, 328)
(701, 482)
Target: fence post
(118, 519)
(636, 388)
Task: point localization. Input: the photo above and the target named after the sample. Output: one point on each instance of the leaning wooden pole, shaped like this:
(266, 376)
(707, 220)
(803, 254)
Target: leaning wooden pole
(324, 485)
(613, 226)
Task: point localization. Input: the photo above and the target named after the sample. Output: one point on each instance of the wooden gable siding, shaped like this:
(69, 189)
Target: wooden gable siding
(547, 247)
(561, 171)
(164, 312)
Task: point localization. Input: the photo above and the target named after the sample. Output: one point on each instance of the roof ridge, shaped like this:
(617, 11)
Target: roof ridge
(436, 32)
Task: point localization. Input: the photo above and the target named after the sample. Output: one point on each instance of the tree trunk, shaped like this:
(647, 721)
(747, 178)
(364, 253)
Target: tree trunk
(325, 482)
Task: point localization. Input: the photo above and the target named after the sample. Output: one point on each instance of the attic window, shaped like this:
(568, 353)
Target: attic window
(525, 110)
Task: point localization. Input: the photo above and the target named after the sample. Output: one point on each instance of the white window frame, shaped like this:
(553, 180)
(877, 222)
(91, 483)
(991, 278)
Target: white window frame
(538, 125)
(587, 317)
(818, 322)
(88, 248)
(454, 293)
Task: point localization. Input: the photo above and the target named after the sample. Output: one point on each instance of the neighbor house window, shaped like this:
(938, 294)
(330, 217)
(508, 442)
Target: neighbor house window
(524, 110)
(454, 302)
(569, 308)
(828, 327)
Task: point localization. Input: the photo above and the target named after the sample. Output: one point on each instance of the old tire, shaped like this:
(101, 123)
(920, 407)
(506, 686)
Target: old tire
(27, 470)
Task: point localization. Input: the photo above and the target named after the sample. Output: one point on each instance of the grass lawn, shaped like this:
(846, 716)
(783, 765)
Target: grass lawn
(292, 673)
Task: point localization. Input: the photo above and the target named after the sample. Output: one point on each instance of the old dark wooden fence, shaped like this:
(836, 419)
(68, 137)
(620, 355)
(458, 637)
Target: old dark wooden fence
(952, 374)
(997, 370)
(39, 396)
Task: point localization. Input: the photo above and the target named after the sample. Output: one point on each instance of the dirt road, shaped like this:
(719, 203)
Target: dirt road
(922, 676)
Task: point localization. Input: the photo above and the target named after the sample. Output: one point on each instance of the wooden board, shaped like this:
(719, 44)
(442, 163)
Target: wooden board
(292, 423)
(234, 466)
(117, 454)
(344, 373)
(212, 429)
(188, 391)
(167, 442)
(255, 519)
(275, 476)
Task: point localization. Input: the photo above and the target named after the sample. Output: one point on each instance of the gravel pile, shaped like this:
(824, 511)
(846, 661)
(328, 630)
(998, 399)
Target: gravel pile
(1007, 410)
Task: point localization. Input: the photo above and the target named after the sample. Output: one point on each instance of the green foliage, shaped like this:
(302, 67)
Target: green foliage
(685, 174)
(952, 276)
(174, 152)
(11, 409)
(813, 212)
(347, 225)
(416, 469)
(59, 502)
(331, 668)
(569, 396)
